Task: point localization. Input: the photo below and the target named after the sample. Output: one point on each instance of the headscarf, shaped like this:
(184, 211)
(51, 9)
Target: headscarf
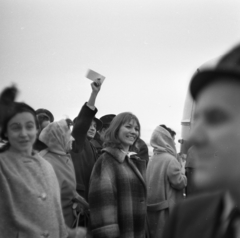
(162, 141)
(57, 137)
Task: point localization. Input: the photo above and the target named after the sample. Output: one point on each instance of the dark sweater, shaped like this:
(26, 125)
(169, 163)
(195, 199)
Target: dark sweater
(83, 153)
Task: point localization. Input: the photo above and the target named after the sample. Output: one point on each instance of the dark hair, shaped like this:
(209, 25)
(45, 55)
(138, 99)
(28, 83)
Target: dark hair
(7, 97)
(41, 119)
(172, 133)
(14, 109)
(111, 136)
(69, 122)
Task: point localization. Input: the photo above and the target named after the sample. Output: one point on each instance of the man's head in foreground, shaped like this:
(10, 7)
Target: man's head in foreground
(216, 128)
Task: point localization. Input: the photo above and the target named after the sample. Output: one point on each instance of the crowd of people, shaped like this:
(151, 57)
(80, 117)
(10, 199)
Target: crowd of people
(91, 177)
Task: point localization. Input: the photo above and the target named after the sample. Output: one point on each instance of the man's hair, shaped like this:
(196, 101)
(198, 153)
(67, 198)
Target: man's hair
(69, 122)
(106, 120)
(111, 136)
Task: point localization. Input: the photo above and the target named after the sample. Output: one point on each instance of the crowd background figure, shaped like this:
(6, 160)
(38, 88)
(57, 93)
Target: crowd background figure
(165, 180)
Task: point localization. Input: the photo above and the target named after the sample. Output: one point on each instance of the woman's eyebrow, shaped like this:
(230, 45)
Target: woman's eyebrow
(15, 123)
(30, 122)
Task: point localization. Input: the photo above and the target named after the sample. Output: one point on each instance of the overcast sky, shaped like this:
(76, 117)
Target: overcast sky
(147, 50)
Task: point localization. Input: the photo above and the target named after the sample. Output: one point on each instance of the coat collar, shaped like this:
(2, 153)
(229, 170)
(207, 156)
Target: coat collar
(117, 153)
(135, 163)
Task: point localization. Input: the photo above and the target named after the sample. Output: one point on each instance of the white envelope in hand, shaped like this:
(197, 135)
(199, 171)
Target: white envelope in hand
(94, 76)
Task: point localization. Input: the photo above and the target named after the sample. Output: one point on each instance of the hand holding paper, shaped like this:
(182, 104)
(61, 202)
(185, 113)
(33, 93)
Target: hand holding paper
(94, 76)
(96, 86)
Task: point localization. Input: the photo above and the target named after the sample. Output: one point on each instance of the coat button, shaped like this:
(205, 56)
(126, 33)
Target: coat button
(43, 196)
(45, 234)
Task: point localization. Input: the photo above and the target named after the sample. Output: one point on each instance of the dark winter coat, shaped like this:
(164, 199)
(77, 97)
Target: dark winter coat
(141, 149)
(83, 153)
(196, 217)
(98, 144)
(117, 196)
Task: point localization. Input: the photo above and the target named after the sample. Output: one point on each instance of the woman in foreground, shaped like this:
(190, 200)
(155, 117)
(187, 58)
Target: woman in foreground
(117, 195)
(30, 199)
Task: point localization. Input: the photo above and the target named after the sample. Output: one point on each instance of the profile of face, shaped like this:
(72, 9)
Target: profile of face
(69, 135)
(102, 133)
(92, 130)
(128, 133)
(22, 132)
(44, 124)
(216, 135)
(43, 121)
(70, 141)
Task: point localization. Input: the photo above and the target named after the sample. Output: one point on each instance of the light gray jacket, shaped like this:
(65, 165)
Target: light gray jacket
(30, 203)
(165, 181)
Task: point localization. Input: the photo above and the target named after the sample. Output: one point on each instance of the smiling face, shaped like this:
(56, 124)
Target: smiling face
(128, 133)
(92, 130)
(22, 132)
(216, 135)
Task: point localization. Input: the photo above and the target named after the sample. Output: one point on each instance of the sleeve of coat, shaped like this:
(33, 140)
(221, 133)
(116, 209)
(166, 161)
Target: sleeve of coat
(177, 179)
(81, 126)
(103, 202)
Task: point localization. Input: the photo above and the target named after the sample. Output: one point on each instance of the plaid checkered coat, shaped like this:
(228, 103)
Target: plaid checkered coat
(117, 196)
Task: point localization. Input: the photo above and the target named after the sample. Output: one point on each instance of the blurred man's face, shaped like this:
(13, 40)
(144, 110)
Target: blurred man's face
(216, 135)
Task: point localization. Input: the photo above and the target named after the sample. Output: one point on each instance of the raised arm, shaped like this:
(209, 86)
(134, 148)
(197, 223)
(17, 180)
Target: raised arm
(96, 86)
(84, 118)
